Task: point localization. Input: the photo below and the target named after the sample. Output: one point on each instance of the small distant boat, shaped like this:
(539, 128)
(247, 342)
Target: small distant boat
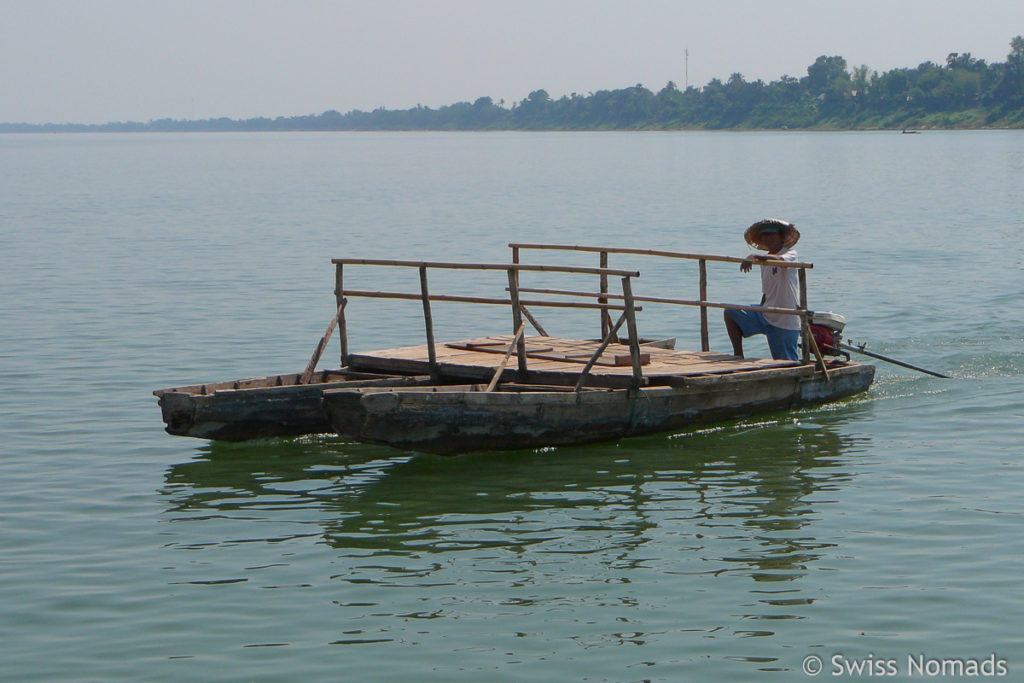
(911, 132)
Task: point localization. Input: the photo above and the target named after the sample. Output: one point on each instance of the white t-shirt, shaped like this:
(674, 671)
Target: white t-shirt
(781, 290)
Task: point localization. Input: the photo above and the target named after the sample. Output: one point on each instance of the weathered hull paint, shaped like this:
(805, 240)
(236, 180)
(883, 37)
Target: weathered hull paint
(451, 420)
(225, 413)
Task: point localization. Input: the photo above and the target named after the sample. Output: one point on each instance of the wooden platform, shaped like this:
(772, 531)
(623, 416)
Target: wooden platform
(552, 360)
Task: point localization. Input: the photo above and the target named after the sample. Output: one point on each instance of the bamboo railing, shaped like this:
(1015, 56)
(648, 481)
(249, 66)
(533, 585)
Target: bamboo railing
(515, 301)
(702, 301)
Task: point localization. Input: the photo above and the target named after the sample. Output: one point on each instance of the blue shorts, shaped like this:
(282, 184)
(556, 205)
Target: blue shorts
(783, 343)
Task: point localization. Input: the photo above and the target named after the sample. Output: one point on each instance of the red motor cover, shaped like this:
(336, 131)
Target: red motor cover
(825, 339)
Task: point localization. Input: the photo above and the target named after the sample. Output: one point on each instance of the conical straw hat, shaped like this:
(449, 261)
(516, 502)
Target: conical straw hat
(790, 235)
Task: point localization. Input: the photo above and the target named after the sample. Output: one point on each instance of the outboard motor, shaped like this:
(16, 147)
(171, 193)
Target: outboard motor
(827, 328)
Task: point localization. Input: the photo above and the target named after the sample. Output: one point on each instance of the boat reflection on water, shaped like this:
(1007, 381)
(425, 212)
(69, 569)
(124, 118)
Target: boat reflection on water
(681, 544)
(736, 498)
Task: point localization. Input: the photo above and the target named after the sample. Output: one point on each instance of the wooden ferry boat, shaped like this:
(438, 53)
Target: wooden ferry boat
(514, 390)
(570, 391)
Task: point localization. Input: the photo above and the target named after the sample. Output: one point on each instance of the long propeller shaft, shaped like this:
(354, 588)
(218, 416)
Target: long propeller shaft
(857, 349)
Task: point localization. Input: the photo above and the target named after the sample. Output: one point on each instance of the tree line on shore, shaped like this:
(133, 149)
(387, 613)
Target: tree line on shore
(962, 93)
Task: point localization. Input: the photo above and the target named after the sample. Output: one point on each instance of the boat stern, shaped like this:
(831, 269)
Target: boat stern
(178, 411)
(842, 382)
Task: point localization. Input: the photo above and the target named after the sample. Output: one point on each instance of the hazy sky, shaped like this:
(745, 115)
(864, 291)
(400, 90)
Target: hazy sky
(94, 61)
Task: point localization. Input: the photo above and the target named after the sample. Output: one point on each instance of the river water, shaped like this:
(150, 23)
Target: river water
(884, 531)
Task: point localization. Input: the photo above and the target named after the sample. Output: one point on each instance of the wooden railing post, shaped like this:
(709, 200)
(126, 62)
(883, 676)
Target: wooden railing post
(533, 321)
(805, 329)
(307, 375)
(614, 331)
(428, 321)
(339, 297)
(634, 337)
(496, 377)
(517, 321)
(705, 345)
(606, 319)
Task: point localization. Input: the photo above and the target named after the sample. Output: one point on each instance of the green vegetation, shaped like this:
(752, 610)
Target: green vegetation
(963, 93)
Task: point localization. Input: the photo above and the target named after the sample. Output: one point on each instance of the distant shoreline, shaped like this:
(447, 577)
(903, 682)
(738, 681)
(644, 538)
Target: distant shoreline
(963, 94)
(19, 129)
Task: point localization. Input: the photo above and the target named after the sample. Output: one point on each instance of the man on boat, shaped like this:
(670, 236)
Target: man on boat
(779, 289)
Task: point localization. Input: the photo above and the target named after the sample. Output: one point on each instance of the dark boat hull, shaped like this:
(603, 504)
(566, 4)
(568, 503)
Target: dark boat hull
(259, 407)
(451, 420)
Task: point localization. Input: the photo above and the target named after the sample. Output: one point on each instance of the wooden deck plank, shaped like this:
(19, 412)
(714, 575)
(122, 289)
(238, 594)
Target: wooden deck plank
(460, 358)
